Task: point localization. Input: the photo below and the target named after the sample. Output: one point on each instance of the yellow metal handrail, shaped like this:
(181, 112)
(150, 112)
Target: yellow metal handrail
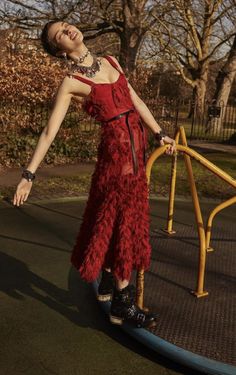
(204, 234)
(215, 211)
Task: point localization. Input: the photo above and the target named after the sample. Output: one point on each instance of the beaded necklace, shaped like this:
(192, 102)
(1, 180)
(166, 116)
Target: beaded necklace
(89, 71)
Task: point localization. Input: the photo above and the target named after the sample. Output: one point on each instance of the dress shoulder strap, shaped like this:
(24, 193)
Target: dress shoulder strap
(82, 79)
(112, 62)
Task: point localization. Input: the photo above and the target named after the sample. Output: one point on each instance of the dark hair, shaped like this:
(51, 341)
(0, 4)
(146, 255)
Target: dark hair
(47, 44)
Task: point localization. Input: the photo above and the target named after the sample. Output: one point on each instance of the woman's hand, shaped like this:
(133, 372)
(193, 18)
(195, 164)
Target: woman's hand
(167, 140)
(162, 138)
(22, 191)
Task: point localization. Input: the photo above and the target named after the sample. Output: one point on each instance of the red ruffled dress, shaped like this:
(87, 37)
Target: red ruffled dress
(114, 232)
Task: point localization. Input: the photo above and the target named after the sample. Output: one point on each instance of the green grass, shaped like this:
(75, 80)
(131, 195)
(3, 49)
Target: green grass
(54, 186)
(208, 184)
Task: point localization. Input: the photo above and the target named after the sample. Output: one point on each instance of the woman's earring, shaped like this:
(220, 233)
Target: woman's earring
(66, 60)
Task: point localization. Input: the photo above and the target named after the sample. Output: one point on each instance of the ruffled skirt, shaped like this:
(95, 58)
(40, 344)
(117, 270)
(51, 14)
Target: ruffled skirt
(114, 232)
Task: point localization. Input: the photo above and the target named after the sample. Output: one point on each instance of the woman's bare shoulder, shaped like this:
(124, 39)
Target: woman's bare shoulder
(116, 61)
(67, 82)
(72, 86)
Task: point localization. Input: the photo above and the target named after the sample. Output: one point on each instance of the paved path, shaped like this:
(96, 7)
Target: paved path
(202, 146)
(50, 321)
(10, 177)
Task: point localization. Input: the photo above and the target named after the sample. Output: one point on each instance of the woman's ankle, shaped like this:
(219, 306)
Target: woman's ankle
(107, 269)
(121, 284)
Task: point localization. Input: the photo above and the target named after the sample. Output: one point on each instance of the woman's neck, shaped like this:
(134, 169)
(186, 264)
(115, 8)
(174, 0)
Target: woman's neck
(80, 51)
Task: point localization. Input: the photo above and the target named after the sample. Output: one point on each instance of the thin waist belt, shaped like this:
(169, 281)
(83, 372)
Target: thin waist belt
(134, 156)
(120, 115)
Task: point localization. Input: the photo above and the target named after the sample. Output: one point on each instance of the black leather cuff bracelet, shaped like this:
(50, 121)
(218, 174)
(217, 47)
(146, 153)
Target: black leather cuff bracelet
(160, 136)
(29, 176)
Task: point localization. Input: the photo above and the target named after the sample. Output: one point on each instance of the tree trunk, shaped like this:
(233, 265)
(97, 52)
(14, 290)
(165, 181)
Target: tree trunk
(132, 33)
(199, 94)
(226, 77)
(224, 81)
(130, 42)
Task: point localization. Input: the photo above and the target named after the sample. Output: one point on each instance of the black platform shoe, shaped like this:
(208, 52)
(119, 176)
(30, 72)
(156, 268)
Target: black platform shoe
(124, 308)
(105, 287)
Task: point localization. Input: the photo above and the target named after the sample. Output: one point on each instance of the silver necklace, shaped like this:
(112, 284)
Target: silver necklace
(81, 58)
(89, 71)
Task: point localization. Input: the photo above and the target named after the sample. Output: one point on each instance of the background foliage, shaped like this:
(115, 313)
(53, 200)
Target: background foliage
(175, 49)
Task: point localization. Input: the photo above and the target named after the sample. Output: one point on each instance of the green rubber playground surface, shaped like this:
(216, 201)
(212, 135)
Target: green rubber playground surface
(50, 321)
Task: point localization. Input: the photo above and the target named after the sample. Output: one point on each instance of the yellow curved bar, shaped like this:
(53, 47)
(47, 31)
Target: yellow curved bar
(217, 209)
(169, 227)
(156, 154)
(188, 151)
(199, 221)
(212, 167)
(204, 235)
(140, 288)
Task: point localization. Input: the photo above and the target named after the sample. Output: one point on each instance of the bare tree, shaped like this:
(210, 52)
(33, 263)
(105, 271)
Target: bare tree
(224, 82)
(128, 20)
(188, 35)
(31, 14)
(191, 35)
(226, 76)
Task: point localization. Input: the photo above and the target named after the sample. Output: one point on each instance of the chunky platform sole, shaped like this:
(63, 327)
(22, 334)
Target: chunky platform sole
(119, 321)
(116, 320)
(104, 297)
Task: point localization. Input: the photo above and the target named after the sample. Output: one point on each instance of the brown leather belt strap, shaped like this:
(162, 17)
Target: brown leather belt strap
(134, 156)
(144, 146)
(135, 162)
(120, 115)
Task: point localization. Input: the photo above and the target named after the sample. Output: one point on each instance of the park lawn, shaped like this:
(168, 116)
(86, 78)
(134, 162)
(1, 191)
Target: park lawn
(54, 187)
(207, 183)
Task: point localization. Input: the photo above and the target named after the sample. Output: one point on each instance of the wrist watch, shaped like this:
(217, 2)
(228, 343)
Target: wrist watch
(159, 136)
(29, 176)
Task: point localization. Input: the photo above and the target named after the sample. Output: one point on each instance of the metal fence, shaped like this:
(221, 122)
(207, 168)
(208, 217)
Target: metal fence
(214, 123)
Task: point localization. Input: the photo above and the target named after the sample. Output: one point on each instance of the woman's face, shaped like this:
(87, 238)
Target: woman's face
(67, 37)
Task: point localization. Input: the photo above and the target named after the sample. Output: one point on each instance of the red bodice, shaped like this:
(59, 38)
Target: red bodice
(107, 100)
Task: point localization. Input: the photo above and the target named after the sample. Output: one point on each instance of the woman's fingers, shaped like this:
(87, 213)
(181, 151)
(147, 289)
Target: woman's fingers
(16, 198)
(22, 192)
(20, 199)
(171, 148)
(23, 198)
(15, 201)
(169, 151)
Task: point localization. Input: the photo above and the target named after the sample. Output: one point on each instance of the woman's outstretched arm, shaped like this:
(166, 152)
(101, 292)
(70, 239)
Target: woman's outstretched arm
(60, 107)
(144, 111)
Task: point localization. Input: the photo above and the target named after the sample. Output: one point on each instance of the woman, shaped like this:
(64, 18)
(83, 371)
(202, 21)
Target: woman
(114, 234)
